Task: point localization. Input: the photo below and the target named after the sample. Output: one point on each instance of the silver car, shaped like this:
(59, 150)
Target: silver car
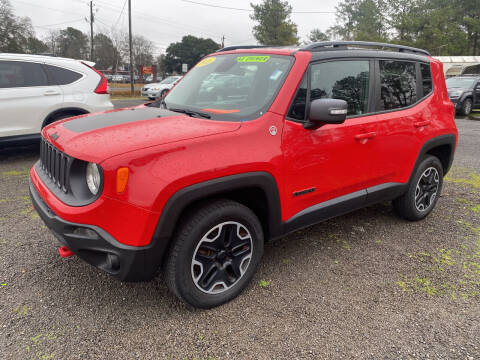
(156, 90)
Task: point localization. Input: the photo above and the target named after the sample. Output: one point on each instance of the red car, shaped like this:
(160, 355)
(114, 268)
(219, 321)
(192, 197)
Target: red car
(252, 144)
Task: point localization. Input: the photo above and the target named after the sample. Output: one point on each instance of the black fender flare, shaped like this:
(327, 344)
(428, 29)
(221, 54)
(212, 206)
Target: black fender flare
(179, 201)
(74, 110)
(447, 139)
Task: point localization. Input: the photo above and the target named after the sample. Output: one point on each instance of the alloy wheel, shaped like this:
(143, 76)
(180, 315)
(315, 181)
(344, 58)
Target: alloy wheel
(222, 257)
(427, 188)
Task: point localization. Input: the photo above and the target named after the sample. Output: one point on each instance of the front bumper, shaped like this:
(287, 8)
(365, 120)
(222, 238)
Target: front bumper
(95, 246)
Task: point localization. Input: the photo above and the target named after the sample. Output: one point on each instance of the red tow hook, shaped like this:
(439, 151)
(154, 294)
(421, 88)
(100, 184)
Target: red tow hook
(65, 252)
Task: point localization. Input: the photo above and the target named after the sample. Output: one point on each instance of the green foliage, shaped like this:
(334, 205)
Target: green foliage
(189, 51)
(316, 35)
(264, 283)
(105, 53)
(444, 27)
(274, 25)
(16, 33)
(72, 43)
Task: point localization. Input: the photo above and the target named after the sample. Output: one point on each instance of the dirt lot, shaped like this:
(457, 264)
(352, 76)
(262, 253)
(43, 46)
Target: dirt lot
(366, 285)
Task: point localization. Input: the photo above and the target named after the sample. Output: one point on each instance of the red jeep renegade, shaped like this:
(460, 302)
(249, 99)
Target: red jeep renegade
(252, 144)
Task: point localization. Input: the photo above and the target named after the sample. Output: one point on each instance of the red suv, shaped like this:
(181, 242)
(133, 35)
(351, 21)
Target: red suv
(253, 143)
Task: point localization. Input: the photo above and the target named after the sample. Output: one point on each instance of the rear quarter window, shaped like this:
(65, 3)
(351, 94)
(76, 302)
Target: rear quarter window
(427, 83)
(62, 76)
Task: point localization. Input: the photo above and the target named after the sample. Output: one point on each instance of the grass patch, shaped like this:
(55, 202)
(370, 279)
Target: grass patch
(264, 283)
(464, 177)
(24, 172)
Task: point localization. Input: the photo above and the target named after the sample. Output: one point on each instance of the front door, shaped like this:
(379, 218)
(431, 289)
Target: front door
(333, 160)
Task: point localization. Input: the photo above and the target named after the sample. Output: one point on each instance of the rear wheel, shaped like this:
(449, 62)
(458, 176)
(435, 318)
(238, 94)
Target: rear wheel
(467, 107)
(423, 191)
(215, 254)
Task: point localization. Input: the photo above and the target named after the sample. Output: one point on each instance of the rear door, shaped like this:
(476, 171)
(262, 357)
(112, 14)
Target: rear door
(26, 97)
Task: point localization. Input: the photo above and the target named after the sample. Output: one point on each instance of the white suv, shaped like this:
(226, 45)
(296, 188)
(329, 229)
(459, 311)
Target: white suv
(37, 90)
(160, 89)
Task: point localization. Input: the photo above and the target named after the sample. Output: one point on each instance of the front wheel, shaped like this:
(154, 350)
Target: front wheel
(215, 254)
(467, 107)
(423, 191)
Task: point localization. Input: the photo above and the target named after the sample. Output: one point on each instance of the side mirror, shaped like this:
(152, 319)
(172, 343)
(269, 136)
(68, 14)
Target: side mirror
(326, 111)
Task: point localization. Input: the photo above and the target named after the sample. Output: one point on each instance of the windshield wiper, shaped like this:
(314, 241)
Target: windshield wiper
(190, 112)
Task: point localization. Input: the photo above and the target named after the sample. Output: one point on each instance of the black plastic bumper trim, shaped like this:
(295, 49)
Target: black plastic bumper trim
(95, 246)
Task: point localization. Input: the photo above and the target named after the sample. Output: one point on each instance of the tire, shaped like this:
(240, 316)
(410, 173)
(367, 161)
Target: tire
(151, 98)
(163, 94)
(423, 191)
(200, 243)
(467, 107)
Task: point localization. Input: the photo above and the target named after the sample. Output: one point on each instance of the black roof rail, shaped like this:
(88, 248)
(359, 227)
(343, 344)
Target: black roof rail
(345, 44)
(236, 47)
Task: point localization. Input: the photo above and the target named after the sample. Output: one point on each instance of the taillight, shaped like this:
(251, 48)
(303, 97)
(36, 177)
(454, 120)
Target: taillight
(102, 87)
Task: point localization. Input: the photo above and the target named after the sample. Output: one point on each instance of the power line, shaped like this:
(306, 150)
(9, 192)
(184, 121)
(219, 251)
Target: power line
(119, 16)
(251, 10)
(45, 7)
(62, 23)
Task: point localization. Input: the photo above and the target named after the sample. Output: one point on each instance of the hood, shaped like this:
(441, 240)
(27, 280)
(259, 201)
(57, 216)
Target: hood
(97, 137)
(156, 85)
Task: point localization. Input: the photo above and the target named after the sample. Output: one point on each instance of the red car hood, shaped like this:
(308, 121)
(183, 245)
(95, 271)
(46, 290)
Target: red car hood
(97, 137)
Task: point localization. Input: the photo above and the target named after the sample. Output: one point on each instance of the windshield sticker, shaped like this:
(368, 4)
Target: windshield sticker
(255, 59)
(221, 111)
(206, 61)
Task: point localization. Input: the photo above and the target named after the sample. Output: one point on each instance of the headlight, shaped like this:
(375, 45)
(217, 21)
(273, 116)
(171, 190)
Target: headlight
(456, 93)
(93, 178)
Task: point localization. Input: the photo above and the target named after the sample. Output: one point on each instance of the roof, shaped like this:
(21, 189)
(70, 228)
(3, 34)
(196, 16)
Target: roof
(31, 57)
(325, 46)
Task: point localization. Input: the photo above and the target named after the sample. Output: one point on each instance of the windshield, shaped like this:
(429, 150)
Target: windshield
(231, 87)
(457, 82)
(169, 80)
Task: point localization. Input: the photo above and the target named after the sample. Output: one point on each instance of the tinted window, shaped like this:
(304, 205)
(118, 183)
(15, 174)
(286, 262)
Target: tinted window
(398, 82)
(344, 80)
(426, 79)
(297, 109)
(21, 74)
(62, 76)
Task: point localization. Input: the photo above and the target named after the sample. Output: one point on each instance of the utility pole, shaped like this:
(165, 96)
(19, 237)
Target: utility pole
(132, 90)
(91, 30)
(223, 41)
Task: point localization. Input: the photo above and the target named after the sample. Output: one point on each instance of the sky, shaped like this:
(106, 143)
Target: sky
(166, 21)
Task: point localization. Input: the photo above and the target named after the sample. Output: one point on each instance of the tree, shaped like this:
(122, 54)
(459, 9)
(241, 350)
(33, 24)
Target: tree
(15, 32)
(142, 49)
(35, 46)
(104, 51)
(361, 20)
(72, 43)
(189, 51)
(316, 35)
(274, 25)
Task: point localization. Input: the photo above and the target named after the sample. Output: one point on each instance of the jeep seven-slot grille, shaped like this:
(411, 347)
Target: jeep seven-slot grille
(55, 164)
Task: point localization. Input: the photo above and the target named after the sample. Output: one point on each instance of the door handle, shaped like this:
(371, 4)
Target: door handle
(51, 92)
(365, 136)
(421, 124)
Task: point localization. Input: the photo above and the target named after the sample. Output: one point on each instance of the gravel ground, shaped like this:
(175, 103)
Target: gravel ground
(365, 285)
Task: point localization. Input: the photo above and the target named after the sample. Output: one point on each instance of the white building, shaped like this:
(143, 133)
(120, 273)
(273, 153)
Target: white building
(459, 65)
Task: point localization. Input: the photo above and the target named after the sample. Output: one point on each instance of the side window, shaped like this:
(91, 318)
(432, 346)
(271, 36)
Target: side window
(297, 109)
(62, 76)
(398, 84)
(426, 79)
(344, 80)
(21, 74)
